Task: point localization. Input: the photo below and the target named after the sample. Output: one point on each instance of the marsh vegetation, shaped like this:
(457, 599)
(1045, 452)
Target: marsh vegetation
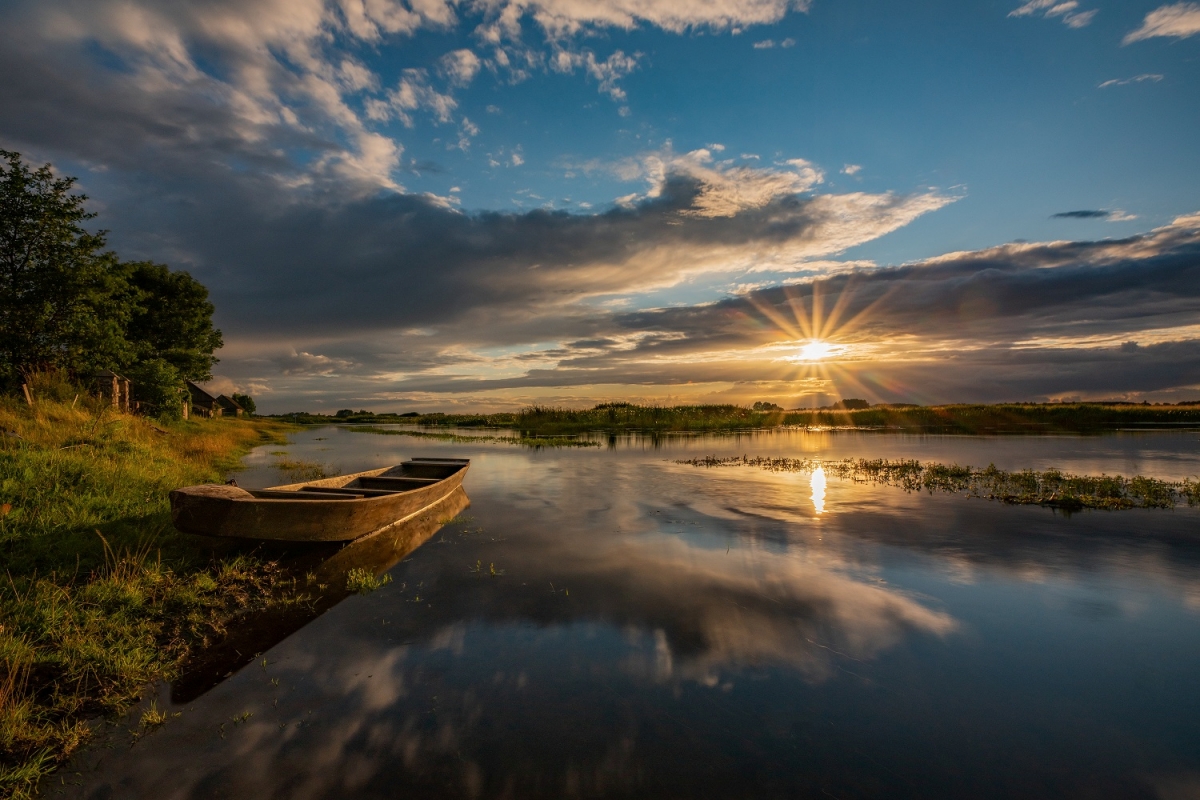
(547, 421)
(1026, 487)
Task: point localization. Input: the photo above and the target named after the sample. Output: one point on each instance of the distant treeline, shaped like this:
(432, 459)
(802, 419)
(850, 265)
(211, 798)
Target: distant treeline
(963, 419)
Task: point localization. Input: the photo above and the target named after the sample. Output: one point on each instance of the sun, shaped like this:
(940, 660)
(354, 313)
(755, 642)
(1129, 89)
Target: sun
(815, 350)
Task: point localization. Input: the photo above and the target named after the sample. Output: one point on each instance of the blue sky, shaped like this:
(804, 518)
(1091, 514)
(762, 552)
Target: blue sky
(470, 204)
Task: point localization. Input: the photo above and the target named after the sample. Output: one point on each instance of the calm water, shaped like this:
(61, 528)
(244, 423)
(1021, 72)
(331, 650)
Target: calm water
(658, 630)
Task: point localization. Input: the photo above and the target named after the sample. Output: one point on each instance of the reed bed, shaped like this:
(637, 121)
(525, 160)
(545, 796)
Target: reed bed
(1026, 487)
(523, 441)
(962, 418)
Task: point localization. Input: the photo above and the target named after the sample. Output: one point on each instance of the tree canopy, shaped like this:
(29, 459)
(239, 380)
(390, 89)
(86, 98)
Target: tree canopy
(68, 303)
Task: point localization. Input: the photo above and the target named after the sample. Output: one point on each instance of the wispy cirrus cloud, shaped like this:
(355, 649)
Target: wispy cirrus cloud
(1178, 21)
(1068, 10)
(1153, 78)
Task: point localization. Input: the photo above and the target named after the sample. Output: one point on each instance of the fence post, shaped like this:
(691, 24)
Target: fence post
(28, 396)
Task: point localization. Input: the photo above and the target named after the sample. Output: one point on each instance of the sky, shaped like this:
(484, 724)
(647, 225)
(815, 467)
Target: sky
(476, 205)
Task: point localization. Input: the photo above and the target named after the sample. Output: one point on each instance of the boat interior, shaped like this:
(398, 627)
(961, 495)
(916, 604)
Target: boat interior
(414, 474)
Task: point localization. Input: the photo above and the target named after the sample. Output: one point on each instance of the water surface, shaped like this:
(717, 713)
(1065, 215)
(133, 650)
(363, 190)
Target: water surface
(609, 623)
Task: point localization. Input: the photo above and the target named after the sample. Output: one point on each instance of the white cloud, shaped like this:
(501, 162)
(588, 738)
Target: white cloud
(413, 92)
(459, 66)
(563, 18)
(1056, 8)
(1180, 20)
(516, 160)
(765, 44)
(1127, 81)
(789, 42)
(851, 169)
(1079, 20)
(607, 72)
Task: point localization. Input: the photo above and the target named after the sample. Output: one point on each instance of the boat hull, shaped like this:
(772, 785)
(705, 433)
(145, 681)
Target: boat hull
(216, 510)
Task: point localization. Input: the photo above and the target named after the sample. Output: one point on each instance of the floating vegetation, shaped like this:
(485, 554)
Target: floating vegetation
(524, 441)
(1027, 487)
(300, 470)
(364, 581)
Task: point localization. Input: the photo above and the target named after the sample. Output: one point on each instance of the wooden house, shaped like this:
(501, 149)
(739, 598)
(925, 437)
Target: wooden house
(202, 403)
(229, 408)
(117, 388)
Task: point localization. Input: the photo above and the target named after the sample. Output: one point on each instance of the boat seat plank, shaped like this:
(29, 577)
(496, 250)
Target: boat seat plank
(381, 482)
(284, 494)
(356, 492)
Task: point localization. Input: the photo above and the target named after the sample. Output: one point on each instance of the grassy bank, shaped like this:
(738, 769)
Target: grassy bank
(1027, 487)
(99, 594)
(960, 419)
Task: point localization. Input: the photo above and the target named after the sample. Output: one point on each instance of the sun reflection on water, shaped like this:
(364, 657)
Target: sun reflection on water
(818, 490)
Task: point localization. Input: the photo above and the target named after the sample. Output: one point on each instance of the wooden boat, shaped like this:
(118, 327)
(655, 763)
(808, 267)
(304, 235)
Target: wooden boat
(327, 567)
(328, 510)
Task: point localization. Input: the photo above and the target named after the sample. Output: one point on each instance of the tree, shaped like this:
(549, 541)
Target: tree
(55, 278)
(66, 303)
(170, 331)
(245, 401)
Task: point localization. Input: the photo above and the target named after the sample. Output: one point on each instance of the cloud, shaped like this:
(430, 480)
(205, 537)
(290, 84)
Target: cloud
(459, 66)
(565, 18)
(1019, 321)
(765, 44)
(1180, 21)
(606, 72)
(1116, 215)
(851, 169)
(1055, 8)
(1135, 79)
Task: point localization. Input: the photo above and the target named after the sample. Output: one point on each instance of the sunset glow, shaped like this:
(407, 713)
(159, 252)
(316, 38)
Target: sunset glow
(815, 350)
(484, 206)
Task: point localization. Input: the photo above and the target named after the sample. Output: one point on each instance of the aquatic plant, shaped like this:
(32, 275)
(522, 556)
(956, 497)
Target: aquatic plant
(1026, 487)
(300, 470)
(364, 581)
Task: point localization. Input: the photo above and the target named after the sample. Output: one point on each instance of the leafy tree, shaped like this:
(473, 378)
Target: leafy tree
(66, 303)
(55, 278)
(245, 401)
(169, 330)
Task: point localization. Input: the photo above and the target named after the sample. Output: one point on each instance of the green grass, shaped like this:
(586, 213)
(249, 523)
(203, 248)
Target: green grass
(1027, 487)
(538, 421)
(99, 594)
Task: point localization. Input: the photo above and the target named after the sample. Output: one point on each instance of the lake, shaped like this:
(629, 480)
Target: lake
(606, 622)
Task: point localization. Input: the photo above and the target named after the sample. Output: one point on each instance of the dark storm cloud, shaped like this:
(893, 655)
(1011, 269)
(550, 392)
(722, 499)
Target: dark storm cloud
(1094, 214)
(1002, 294)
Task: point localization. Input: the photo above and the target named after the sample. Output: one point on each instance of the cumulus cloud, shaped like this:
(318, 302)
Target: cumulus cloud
(459, 66)
(1178, 21)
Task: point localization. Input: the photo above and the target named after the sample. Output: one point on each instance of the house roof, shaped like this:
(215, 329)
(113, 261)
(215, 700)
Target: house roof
(199, 395)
